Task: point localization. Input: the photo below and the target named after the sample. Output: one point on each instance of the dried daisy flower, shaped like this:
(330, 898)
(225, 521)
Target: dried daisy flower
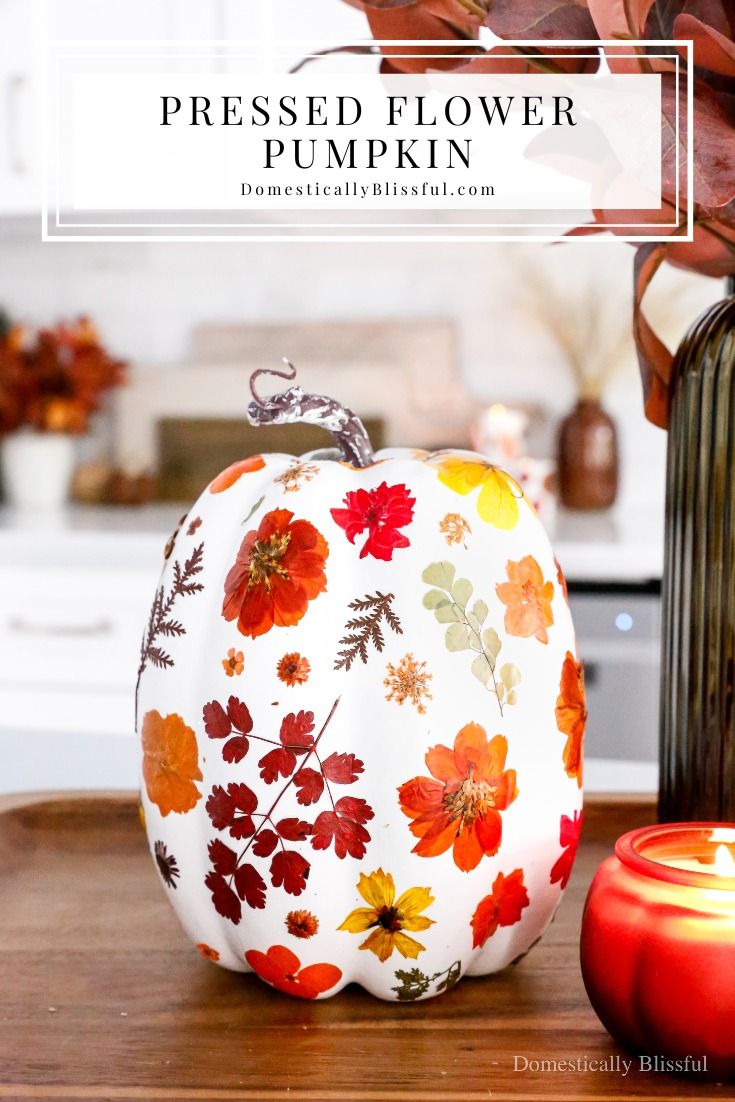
(167, 866)
(294, 669)
(455, 529)
(409, 681)
(302, 924)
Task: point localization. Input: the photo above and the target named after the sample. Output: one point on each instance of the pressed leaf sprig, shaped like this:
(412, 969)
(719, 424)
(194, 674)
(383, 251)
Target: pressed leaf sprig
(365, 630)
(449, 600)
(233, 878)
(160, 622)
(413, 983)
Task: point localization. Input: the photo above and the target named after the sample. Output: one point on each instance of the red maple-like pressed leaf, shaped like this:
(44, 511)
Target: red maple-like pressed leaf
(239, 715)
(231, 810)
(222, 857)
(265, 843)
(277, 763)
(310, 785)
(235, 749)
(352, 807)
(296, 731)
(290, 869)
(224, 898)
(342, 768)
(250, 886)
(294, 830)
(348, 835)
(216, 721)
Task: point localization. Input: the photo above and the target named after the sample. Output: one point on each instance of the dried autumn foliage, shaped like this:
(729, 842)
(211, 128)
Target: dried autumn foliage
(708, 24)
(54, 381)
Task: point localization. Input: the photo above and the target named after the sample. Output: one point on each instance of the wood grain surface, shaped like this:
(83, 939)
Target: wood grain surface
(102, 997)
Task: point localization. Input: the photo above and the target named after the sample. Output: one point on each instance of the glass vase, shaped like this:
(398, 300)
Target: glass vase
(697, 735)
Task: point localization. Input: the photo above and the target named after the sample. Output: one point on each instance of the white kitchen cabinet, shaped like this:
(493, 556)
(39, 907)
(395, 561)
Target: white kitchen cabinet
(19, 153)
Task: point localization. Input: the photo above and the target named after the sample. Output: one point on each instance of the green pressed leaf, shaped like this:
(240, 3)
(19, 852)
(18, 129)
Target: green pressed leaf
(439, 574)
(481, 669)
(448, 614)
(475, 626)
(510, 675)
(457, 637)
(479, 611)
(492, 644)
(436, 598)
(462, 591)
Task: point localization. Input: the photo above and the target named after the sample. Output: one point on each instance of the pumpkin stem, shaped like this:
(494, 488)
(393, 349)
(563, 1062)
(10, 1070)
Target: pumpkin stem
(313, 409)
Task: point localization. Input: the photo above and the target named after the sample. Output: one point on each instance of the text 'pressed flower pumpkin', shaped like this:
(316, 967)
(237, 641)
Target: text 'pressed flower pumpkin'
(361, 716)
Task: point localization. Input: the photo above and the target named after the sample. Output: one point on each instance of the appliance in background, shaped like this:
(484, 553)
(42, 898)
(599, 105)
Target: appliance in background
(618, 639)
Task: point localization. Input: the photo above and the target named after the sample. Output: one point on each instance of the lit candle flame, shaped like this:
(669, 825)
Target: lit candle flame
(724, 862)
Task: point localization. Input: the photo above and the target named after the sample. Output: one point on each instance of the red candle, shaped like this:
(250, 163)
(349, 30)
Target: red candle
(658, 944)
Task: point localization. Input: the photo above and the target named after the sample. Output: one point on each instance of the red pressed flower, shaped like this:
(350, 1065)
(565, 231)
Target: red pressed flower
(278, 570)
(502, 907)
(382, 511)
(460, 807)
(569, 834)
(282, 969)
(207, 951)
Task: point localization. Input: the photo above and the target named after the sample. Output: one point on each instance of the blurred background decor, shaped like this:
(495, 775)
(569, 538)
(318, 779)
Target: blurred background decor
(51, 383)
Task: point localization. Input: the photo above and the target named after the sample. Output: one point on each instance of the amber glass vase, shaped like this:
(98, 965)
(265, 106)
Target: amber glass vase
(588, 457)
(697, 749)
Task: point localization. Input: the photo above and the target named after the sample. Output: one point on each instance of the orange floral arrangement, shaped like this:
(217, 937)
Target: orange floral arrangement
(54, 380)
(456, 24)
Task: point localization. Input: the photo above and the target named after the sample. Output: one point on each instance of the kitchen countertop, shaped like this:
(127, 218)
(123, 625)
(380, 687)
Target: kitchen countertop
(619, 546)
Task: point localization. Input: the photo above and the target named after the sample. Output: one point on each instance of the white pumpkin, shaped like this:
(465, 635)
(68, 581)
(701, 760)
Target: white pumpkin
(361, 716)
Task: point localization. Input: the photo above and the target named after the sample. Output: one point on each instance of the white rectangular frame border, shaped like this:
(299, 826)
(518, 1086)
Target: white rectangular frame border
(55, 231)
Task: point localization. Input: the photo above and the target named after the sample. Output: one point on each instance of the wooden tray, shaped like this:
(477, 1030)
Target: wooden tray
(102, 997)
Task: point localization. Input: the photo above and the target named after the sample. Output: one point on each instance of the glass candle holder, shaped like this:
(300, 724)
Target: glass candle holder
(658, 945)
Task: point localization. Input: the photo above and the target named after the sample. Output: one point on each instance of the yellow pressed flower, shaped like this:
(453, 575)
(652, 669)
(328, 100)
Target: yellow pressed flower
(497, 502)
(388, 917)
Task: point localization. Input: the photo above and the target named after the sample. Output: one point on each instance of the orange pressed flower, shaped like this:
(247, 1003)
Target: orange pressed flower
(282, 969)
(503, 907)
(207, 952)
(302, 924)
(230, 475)
(459, 805)
(278, 570)
(234, 663)
(170, 763)
(561, 580)
(571, 715)
(528, 598)
(293, 669)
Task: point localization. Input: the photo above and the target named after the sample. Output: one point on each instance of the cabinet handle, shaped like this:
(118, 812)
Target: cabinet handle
(25, 627)
(14, 91)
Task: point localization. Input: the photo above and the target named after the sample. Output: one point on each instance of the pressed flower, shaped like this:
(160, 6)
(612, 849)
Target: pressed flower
(231, 474)
(301, 924)
(167, 866)
(282, 969)
(528, 598)
(570, 831)
(459, 806)
(278, 570)
(193, 525)
(292, 478)
(234, 663)
(571, 715)
(503, 907)
(561, 580)
(293, 669)
(388, 918)
(207, 951)
(382, 512)
(455, 529)
(170, 763)
(409, 680)
(497, 502)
